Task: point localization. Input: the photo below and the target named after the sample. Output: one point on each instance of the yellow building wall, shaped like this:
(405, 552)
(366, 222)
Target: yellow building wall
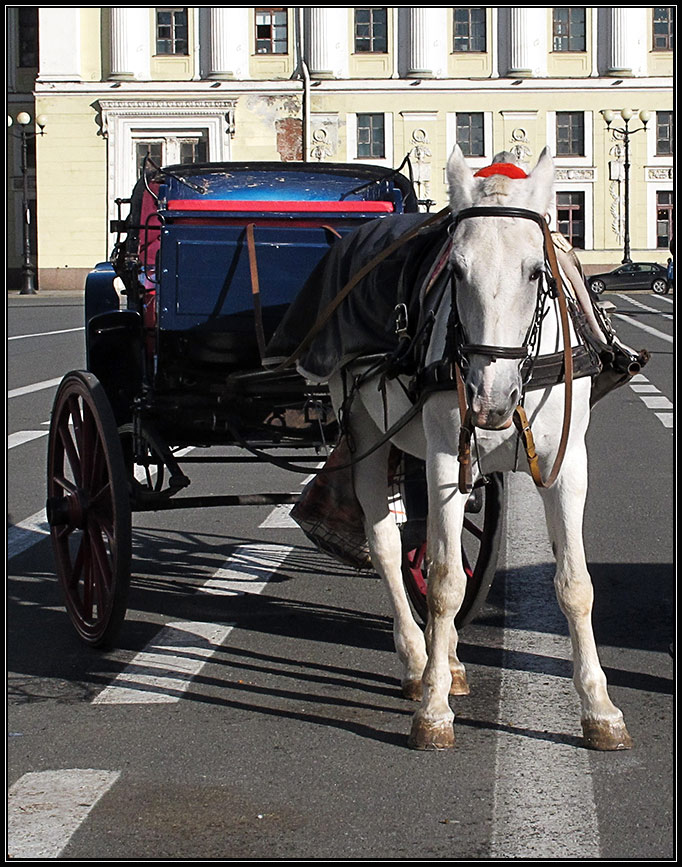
(71, 189)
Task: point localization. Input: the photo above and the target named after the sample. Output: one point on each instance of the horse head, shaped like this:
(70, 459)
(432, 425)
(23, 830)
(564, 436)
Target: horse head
(497, 262)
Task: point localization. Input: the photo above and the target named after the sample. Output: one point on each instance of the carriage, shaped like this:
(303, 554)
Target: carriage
(206, 263)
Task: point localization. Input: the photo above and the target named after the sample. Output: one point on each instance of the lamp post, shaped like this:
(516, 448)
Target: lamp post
(625, 132)
(28, 286)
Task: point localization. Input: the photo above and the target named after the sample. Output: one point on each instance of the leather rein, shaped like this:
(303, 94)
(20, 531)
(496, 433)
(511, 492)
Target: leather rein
(520, 419)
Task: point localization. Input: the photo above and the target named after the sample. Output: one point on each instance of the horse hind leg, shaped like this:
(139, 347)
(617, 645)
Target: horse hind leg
(602, 722)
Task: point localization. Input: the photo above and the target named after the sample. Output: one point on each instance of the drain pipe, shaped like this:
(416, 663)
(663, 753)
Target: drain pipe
(305, 76)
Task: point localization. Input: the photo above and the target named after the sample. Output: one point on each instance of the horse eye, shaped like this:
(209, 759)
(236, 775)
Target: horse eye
(536, 275)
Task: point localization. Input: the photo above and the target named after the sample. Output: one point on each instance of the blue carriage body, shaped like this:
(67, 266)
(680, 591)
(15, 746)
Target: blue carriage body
(207, 255)
(295, 214)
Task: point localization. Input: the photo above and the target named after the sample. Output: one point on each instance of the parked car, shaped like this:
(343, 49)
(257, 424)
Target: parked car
(635, 275)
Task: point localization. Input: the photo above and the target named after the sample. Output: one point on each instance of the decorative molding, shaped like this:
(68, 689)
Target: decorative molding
(576, 174)
(421, 153)
(659, 174)
(520, 145)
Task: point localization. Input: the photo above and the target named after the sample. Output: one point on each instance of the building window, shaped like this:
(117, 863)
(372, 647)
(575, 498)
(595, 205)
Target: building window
(570, 134)
(28, 36)
(272, 35)
(172, 33)
(664, 28)
(371, 136)
(664, 133)
(371, 30)
(166, 150)
(469, 134)
(570, 211)
(568, 28)
(469, 28)
(664, 219)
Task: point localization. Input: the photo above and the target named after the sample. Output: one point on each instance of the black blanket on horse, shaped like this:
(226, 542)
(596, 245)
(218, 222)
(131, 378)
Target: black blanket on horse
(365, 322)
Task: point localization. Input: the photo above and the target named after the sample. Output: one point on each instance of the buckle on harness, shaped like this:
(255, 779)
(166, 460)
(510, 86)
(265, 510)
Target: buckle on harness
(401, 320)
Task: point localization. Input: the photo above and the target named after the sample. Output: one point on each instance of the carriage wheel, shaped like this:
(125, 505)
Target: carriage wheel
(88, 508)
(480, 547)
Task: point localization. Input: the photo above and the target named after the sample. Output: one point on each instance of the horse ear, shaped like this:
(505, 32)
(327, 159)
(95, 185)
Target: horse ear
(541, 183)
(460, 180)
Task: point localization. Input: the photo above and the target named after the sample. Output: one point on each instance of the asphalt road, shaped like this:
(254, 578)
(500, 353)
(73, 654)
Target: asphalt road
(250, 709)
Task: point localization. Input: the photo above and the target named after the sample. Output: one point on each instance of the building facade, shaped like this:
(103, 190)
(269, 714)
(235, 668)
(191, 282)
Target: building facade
(112, 85)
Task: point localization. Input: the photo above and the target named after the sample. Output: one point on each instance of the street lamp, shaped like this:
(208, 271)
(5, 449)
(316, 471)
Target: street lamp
(625, 132)
(28, 286)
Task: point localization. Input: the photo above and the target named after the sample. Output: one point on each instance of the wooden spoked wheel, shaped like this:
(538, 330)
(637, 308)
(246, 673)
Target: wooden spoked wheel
(88, 508)
(480, 548)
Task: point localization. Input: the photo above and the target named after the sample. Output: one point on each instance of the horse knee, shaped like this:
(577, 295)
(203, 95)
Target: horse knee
(575, 595)
(444, 596)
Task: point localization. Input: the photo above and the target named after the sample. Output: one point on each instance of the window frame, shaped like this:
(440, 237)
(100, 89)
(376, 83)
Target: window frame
(273, 40)
(571, 154)
(470, 25)
(373, 115)
(670, 123)
(571, 26)
(669, 36)
(372, 25)
(173, 38)
(471, 114)
(668, 207)
(570, 207)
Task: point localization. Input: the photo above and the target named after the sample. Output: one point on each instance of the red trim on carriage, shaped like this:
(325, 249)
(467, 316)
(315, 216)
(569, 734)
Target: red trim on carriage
(279, 207)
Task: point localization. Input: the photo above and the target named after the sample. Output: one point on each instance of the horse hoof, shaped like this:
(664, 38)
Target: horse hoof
(412, 690)
(460, 684)
(431, 736)
(606, 736)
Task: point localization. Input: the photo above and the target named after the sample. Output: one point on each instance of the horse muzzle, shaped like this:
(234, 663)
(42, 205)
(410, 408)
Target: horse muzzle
(492, 405)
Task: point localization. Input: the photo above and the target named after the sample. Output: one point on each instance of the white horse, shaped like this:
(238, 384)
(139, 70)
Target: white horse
(497, 263)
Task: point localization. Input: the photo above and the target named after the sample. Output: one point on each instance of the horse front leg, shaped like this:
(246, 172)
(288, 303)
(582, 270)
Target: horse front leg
(602, 722)
(432, 724)
(370, 478)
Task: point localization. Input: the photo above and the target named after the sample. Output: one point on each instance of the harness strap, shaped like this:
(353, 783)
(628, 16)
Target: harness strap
(568, 381)
(255, 290)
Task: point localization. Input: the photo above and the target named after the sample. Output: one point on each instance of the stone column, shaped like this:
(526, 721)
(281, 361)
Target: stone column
(621, 44)
(122, 44)
(321, 41)
(521, 53)
(221, 24)
(420, 57)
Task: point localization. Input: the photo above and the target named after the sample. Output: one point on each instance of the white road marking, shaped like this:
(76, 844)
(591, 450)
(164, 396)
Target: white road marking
(46, 333)
(653, 399)
(26, 534)
(544, 803)
(649, 330)
(656, 401)
(24, 436)
(36, 386)
(45, 808)
(647, 307)
(163, 671)
(279, 519)
(667, 419)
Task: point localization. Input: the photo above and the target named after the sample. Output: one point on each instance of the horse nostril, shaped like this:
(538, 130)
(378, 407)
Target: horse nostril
(514, 397)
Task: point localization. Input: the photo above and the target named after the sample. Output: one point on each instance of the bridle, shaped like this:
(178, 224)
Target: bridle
(462, 350)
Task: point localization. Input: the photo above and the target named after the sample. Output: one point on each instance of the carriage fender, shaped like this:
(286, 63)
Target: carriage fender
(114, 355)
(102, 291)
